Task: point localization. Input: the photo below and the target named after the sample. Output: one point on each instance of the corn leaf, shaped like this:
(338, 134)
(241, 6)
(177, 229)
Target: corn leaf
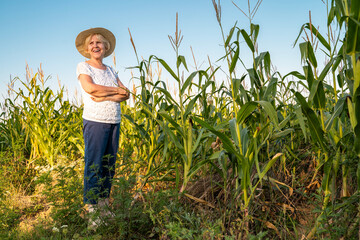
(270, 90)
(166, 66)
(190, 106)
(175, 141)
(264, 57)
(188, 82)
(254, 31)
(356, 99)
(181, 59)
(177, 127)
(270, 110)
(339, 108)
(316, 132)
(247, 40)
(227, 41)
(353, 31)
(235, 57)
(245, 111)
(168, 96)
(233, 131)
(352, 116)
(227, 143)
(296, 74)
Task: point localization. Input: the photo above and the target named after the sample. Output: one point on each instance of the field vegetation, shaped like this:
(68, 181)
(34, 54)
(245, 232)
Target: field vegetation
(257, 155)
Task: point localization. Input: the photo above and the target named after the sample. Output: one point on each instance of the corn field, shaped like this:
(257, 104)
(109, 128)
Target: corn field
(256, 155)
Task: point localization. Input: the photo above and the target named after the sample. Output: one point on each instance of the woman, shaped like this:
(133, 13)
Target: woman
(102, 93)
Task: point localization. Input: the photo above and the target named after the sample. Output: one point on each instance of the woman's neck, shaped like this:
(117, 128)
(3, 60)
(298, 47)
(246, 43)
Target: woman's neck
(97, 63)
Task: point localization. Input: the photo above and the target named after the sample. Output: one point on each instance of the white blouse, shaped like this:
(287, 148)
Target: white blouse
(106, 111)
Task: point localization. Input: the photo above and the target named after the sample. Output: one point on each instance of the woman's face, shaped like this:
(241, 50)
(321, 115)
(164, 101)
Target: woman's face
(96, 48)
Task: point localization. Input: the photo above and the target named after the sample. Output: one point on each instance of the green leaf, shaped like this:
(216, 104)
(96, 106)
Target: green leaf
(190, 106)
(144, 134)
(175, 141)
(197, 167)
(230, 35)
(325, 71)
(338, 59)
(166, 66)
(245, 111)
(227, 143)
(198, 140)
(270, 90)
(177, 127)
(356, 75)
(168, 96)
(352, 115)
(236, 86)
(339, 108)
(327, 175)
(267, 63)
(316, 131)
(296, 74)
(317, 34)
(356, 100)
(281, 134)
(307, 53)
(317, 94)
(232, 126)
(283, 123)
(188, 82)
(311, 55)
(301, 30)
(331, 15)
(270, 110)
(181, 59)
(247, 40)
(265, 57)
(254, 77)
(269, 165)
(235, 57)
(254, 30)
(249, 107)
(309, 76)
(353, 31)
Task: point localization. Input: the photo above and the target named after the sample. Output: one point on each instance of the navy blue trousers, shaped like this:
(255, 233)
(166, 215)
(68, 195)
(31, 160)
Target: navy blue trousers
(101, 145)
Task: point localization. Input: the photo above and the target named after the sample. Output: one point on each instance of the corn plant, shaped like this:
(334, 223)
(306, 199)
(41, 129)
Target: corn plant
(246, 138)
(44, 121)
(327, 124)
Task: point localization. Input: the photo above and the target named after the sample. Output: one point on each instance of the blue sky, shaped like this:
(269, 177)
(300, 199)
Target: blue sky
(44, 31)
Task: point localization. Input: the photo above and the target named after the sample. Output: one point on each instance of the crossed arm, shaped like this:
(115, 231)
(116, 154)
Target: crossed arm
(101, 93)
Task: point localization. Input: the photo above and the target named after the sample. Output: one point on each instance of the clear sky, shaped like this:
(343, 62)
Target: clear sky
(44, 31)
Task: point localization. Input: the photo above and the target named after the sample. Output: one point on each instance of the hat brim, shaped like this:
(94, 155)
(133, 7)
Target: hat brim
(81, 37)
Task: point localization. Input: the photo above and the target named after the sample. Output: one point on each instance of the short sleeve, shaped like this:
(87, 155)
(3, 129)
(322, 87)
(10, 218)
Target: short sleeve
(82, 68)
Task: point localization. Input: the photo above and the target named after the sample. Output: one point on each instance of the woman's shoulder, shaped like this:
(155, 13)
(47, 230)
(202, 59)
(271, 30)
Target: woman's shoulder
(83, 68)
(82, 64)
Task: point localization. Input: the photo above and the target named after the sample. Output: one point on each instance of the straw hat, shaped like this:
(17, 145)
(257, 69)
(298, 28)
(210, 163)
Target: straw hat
(80, 40)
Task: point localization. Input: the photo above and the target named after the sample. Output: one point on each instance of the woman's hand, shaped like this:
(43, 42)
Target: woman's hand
(123, 91)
